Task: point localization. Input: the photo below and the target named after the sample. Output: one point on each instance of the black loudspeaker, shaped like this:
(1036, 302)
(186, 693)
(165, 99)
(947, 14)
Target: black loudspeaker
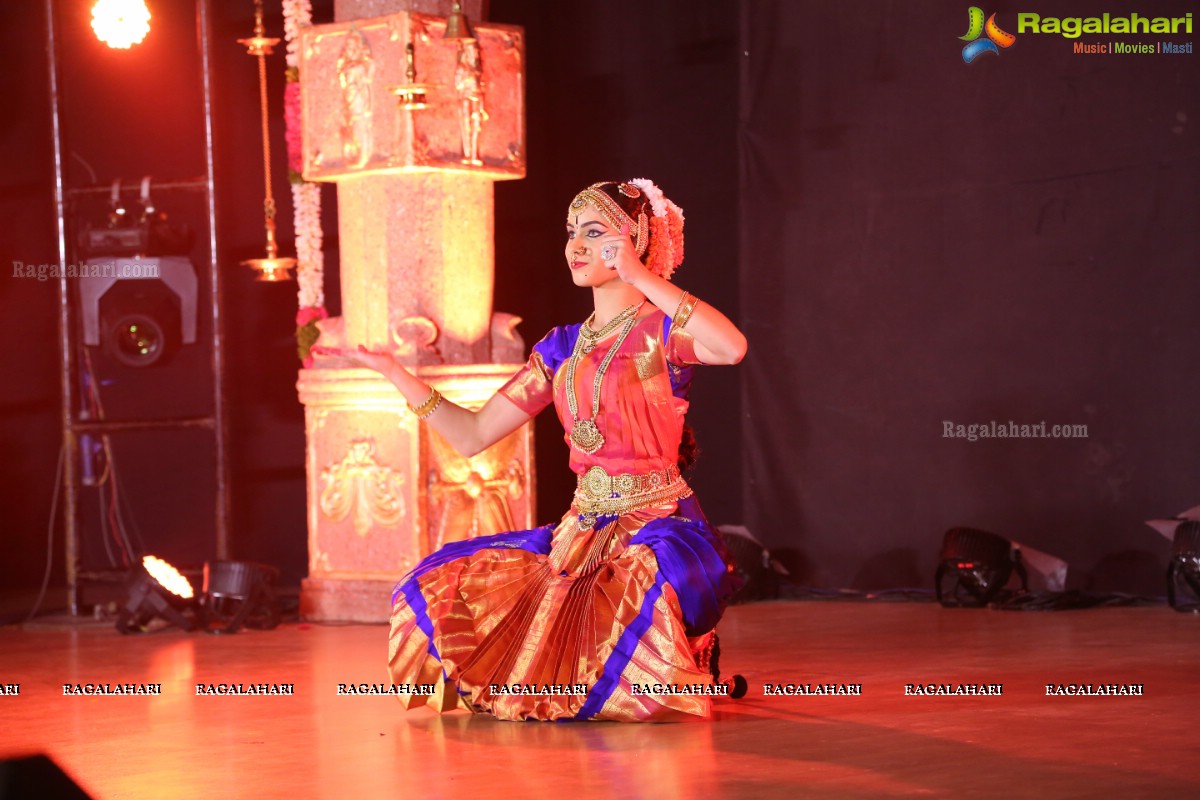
(37, 778)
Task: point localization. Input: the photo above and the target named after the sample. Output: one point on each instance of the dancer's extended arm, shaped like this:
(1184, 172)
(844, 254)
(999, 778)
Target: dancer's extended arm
(469, 432)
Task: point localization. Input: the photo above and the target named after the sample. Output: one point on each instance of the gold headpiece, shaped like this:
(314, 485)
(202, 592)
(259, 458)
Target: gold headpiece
(614, 215)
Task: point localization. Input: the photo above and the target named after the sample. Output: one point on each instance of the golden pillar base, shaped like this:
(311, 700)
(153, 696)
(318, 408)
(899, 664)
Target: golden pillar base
(384, 490)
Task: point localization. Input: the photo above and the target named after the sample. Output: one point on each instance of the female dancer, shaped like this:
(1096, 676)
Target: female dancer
(610, 614)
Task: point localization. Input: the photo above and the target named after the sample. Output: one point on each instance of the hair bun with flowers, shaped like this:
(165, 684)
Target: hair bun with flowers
(666, 230)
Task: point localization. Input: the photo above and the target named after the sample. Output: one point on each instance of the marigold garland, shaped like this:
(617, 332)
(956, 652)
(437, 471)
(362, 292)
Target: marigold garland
(666, 230)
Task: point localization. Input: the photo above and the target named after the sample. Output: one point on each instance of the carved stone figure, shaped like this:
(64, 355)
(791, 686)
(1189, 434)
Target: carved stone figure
(356, 70)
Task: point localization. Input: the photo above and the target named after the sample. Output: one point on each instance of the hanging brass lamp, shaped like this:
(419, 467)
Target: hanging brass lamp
(272, 268)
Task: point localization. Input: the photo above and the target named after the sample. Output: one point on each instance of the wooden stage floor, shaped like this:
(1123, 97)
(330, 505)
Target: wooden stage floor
(881, 744)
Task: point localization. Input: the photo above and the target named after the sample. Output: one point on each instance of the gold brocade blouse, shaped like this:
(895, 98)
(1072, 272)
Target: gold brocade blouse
(643, 397)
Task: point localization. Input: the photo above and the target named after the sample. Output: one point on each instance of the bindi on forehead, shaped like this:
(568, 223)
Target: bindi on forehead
(576, 223)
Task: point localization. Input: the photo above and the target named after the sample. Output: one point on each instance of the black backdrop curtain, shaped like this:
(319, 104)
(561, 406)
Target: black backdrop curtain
(925, 240)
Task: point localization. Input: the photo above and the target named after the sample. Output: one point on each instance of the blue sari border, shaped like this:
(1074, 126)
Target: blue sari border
(535, 540)
(619, 658)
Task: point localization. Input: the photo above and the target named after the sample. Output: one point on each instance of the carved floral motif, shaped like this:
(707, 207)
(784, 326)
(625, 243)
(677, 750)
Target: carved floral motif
(469, 497)
(359, 485)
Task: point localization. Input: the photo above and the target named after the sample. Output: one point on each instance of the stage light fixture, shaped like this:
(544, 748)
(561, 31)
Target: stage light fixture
(140, 321)
(157, 591)
(239, 593)
(760, 573)
(121, 24)
(140, 324)
(1183, 573)
(975, 567)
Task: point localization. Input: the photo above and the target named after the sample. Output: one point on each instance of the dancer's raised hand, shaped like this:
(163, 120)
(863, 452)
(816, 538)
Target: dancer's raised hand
(617, 252)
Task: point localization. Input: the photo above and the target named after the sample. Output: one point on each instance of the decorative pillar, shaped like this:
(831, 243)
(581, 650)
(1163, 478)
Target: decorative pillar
(414, 129)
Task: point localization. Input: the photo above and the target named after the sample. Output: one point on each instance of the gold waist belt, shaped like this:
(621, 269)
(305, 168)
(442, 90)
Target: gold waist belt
(599, 494)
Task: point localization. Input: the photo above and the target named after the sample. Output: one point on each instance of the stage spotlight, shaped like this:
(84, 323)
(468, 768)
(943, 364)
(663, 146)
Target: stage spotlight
(238, 593)
(974, 567)
(141, 326)
(157, 591)
(143, 317)
(1183, 573)
(121, 23)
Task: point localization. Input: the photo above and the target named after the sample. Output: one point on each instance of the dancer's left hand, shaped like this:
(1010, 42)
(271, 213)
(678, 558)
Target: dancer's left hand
(624, 256)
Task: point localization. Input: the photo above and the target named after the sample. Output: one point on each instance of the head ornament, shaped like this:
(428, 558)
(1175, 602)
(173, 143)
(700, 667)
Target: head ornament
(654, 222)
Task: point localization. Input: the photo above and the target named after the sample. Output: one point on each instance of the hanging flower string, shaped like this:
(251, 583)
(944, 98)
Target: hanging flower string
(306, 196)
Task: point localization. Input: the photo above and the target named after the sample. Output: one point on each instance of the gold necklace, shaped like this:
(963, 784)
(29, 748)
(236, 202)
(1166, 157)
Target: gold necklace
(594, 336)
(584, 432)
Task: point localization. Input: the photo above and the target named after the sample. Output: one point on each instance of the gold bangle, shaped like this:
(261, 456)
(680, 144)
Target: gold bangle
(429, 406)
(683, 311)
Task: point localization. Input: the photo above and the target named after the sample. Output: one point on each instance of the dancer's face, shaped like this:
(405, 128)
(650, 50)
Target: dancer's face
(584, 231)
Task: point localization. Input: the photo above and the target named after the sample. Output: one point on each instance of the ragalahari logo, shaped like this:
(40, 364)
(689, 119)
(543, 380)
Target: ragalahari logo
(995, 40)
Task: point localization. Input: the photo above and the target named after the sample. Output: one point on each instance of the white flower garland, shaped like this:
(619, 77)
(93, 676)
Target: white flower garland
(306, 197)
(297, 14)
(653, 194)
(306, 200)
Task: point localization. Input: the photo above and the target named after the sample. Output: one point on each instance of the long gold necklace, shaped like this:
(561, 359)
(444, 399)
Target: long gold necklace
(584, 432)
